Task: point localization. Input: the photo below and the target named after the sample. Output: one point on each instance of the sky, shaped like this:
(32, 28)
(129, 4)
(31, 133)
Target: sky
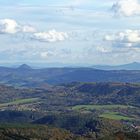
(70, 31)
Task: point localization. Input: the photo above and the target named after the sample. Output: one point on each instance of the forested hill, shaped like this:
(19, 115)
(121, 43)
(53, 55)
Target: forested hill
(26, 76)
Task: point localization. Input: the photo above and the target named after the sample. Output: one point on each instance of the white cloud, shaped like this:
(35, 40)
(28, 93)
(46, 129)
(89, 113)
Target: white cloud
(10, 26)
(128, 36)
(128, 40)
(44, 55)
(51, 36)
(47, 54)
(126, 7)
(28, 29)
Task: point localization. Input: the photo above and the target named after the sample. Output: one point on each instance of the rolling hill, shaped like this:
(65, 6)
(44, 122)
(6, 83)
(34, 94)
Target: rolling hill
(27, 76)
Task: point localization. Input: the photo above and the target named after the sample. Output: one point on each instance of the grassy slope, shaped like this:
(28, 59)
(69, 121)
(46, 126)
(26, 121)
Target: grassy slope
(19, 101)
(98, 107)
(109, 114)
(115, 116)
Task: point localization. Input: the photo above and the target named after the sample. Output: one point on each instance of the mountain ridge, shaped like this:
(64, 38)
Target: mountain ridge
(129, 66)
(24, 75)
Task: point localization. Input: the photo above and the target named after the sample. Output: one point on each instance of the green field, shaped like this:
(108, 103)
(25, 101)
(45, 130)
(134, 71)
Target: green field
(19, 101)
(115, 116)
(98, 107)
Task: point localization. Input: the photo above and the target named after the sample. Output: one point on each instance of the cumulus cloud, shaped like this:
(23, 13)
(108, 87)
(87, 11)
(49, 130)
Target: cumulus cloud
(51, 36)
(126, 7)
(28, 29)
(124, 42)
(128, 36)
(10, 26)
(46, 54)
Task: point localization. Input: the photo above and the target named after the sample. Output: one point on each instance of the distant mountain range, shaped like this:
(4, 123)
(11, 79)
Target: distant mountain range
(130, 66)
(24, 75)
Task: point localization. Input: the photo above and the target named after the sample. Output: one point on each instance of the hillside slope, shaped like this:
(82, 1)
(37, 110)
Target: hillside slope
(28, 77)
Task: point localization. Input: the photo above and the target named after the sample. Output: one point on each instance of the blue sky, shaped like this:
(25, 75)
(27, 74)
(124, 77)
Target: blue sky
(70, 31)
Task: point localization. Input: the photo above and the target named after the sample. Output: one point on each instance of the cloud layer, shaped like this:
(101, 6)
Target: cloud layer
(71, 31)
(10, 26)
(128, 36)
(126, 7)
(51, 36)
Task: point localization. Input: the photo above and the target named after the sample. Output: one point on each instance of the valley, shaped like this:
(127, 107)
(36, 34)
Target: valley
(85, 109)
